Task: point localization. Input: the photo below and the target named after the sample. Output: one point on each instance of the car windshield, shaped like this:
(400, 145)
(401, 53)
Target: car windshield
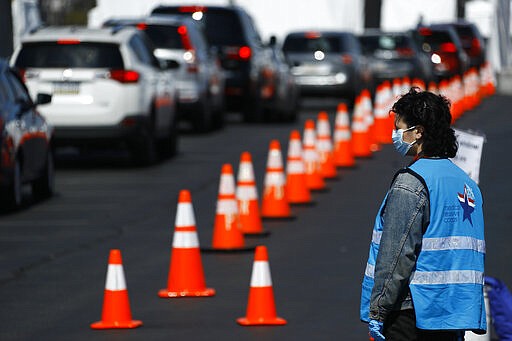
(222, 27)
(370, 44)
(307, 44)
(70, 54)
(164, 36)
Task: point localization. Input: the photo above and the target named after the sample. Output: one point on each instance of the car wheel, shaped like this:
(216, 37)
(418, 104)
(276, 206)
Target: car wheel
(253, 110)
(203, 121)
(11, 198)
(144, 147)
(168, 146)
(43, 187)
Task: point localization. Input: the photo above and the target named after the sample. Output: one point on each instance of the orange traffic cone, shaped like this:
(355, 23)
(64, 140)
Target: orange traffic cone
(274, 203)
(227, 235)
(297, 191)
(406, 84)
(247, 198)
(186, 277)
(116, 305)
(343, 155)
(432, 87)
(314, 179)
(382, 129)
(418, 83)
(324, 146)
(360, 139)
(261, 308)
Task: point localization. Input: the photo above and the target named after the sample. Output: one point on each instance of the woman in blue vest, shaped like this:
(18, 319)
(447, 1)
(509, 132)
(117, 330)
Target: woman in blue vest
(425, 272)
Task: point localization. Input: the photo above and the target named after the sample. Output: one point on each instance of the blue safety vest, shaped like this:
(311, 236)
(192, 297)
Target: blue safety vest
(447, 284)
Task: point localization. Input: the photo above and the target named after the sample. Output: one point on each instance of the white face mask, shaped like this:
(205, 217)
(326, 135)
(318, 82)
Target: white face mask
(398, 141)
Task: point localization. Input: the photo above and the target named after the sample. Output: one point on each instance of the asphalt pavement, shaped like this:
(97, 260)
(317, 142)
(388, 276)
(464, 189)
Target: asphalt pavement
(53, 254)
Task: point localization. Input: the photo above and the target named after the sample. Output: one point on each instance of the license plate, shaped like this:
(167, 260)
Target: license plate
(66, 88)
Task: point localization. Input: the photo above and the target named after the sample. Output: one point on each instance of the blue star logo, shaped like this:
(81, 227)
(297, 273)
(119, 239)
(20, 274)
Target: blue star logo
(467, 201)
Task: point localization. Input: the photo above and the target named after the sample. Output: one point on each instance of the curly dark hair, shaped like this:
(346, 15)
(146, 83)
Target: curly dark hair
(433, 113)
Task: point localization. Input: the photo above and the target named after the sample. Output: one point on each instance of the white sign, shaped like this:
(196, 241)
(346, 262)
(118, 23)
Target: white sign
(469, 154)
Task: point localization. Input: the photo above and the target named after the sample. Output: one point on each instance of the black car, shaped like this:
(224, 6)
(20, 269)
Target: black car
(442, 45)
(25, 142)
(472, 42)
(395, 55)
(246, 60)
(327, 63)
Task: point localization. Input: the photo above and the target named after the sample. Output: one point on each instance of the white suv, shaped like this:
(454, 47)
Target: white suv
(106, 86)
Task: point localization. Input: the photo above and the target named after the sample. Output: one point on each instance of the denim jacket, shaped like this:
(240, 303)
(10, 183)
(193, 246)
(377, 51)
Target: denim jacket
(405, 215)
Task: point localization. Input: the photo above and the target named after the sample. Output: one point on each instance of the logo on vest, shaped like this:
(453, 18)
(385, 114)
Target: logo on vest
(467, 201)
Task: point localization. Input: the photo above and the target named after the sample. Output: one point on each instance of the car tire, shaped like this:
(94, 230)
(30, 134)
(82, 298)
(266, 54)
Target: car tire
(253, 110)
(168, 146)
(12, 197)
(203, 117)
(43, 187)
(144, 147)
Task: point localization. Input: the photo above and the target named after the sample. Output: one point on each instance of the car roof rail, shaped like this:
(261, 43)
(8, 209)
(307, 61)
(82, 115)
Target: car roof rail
(117, 28)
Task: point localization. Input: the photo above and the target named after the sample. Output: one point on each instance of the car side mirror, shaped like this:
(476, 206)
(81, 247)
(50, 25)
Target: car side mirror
(43, 98)
(272, 41)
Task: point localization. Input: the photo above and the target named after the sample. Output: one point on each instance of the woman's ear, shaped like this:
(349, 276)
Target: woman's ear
(418, 132)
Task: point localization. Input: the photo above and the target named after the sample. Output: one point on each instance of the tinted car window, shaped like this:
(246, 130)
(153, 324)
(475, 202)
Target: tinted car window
(371, 44)
(305, 44)
(222, 27)
(164, 36)
(82, 55)
(435, 40)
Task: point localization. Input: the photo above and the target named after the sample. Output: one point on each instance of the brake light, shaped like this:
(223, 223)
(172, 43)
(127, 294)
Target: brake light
(312, 35)
(124, 76)
(141, 26)
(244, 52)
(185, 40)
(22, 73)
(68, 41)
(405, 51)
(192, 9)
(475, 47)
(424, 31)
(448, 47)
(346, 59)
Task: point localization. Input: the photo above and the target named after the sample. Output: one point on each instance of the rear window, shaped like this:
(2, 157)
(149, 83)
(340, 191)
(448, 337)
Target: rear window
(164, 36)
(322, 43)
(370, 44)
(466, 35)
(436, 38)
(73, 55)
(222, 27)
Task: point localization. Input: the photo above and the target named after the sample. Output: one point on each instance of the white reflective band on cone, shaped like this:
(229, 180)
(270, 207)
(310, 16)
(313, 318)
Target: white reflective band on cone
(246, 193)
(227, 206)
(310, 155)
(324, 145)
(295, 167)
(341, 135)
(323, 128)
(448, 277)
(295, 149)
(451, 243)
(185, 240)
(227, 184)
(185, 215)
(359, 127)
(309, 138)
(274, 179)
(274, 159)
(260, 276)
(115, 278)
(342, 120)
(246, 172)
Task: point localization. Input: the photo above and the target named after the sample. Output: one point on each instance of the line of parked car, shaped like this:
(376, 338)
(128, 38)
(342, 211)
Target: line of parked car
(131, 82)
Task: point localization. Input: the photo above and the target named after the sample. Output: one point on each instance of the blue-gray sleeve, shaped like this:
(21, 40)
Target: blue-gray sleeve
(405, 216)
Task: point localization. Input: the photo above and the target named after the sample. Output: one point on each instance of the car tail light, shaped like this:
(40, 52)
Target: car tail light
(192, 9)
(244, 52)
(22, 73)
(448, 47)
(68, 41)
(424, 31)
(405, 51)
(346, 59)
(475, 47)
(238, 53)
(141, 26)
(125, 76)
(312, 35)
